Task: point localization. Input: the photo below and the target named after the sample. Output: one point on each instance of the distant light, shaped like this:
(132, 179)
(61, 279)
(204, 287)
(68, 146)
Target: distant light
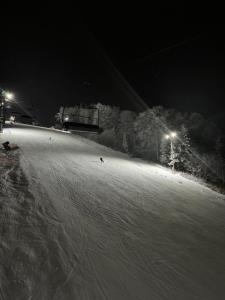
(66, 118)
(9, 96)
(167, 136)
(173, 134)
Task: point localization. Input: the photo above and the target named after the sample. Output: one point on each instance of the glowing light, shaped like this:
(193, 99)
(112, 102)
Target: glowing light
(173, 134)
(9, 96)
(66, 118)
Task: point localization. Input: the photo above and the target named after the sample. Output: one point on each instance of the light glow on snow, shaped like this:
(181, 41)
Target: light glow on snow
(122, 229)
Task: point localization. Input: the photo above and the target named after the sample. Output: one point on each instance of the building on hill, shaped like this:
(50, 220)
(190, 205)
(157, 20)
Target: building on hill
(79, 117)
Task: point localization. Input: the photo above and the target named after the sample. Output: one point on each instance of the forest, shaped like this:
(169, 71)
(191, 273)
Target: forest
(197, 148)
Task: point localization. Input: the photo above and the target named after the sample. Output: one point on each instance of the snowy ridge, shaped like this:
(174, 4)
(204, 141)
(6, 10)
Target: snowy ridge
(122, 229)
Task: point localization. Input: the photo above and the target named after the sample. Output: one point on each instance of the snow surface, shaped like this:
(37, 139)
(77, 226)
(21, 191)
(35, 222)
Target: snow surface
(75, 228)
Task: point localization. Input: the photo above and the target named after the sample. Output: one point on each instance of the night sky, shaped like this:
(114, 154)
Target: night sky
(52, 56)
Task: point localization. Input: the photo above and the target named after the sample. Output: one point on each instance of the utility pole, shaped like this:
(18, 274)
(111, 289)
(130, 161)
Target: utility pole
(172, 154)
(2, 110)
(4, 96)
(171, 136)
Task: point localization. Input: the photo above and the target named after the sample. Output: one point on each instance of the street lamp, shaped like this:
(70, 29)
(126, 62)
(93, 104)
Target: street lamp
(8, 96)
(4, 97)
(171, 136)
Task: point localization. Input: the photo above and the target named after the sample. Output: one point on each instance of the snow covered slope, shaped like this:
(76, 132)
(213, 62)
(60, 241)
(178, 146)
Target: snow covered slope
(76, 228)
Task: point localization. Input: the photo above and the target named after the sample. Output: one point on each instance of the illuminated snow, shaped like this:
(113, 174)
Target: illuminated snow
(123, 229)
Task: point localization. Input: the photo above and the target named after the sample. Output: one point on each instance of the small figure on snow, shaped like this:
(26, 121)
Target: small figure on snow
(7, 146)
(101, 160)
(50, 138)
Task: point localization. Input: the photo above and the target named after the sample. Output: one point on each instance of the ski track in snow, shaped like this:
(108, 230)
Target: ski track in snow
(73, 228)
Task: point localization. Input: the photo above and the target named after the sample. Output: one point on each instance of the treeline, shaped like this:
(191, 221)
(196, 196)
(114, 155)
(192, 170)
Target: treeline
(198, 149)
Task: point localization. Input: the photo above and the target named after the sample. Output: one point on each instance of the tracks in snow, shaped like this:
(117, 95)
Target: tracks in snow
(35, 253)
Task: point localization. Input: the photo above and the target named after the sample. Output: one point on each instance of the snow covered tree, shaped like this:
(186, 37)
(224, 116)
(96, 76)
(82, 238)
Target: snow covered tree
(149, 127)
(183, 146)
(165, 149)
(175, 152)
(220, 159)
(108, 116)
(124, 131)
(125, 143)
(174, 157)
(59, 115)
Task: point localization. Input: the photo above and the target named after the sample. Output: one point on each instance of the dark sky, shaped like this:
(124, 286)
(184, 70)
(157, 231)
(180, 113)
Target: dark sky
(57, 55)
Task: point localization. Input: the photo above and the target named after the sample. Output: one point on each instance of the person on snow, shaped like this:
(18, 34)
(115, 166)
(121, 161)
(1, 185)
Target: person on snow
(101, 160)
(6, 146)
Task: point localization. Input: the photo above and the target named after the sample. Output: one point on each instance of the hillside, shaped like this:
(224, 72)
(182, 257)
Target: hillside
(76, 228)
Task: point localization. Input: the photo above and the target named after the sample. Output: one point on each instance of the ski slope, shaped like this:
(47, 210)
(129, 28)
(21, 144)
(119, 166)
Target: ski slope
(76, 228)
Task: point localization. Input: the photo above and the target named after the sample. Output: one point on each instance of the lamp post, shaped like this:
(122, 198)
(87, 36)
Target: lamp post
(171, 137)
(2, 105)
(4, 97)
